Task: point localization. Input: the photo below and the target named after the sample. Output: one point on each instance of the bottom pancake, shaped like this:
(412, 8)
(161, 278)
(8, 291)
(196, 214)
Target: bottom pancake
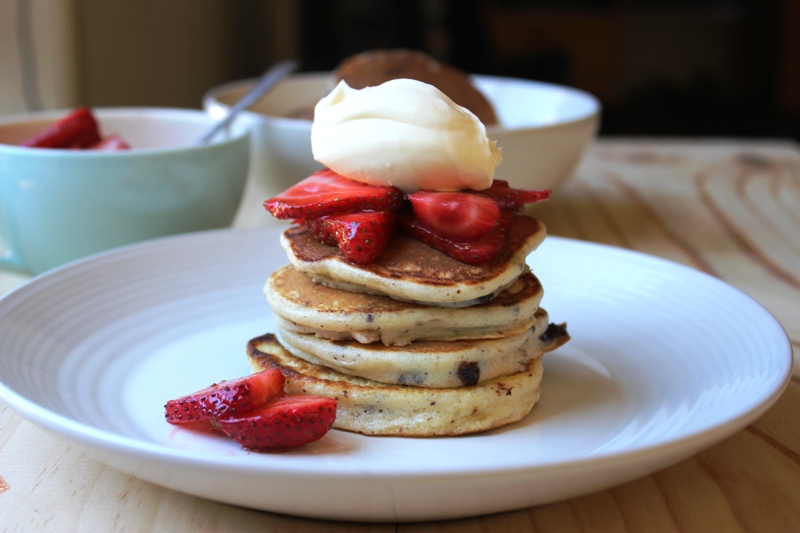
(374, 408)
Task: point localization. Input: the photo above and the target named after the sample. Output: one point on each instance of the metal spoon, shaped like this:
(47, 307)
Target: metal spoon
(272, 76)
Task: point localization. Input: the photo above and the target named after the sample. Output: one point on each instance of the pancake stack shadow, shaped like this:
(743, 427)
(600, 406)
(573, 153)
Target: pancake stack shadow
(416, 343)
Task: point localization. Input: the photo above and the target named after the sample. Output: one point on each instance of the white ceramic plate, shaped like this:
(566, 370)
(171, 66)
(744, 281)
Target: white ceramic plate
(664, 361)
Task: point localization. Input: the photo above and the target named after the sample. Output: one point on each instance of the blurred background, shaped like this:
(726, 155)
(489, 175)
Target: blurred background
(660, 67)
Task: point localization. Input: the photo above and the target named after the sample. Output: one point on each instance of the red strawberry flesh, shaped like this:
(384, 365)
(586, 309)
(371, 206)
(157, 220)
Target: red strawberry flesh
(226, 398)
(327, 193)
(79, 129)
(473, 253)
(456, 216)
(511, 199)
(288, 421)
(361, 237)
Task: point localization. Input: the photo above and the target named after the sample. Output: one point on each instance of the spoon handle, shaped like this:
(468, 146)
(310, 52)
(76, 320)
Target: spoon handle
(272, 76)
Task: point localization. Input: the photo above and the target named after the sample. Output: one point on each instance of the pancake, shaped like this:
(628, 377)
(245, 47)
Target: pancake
(436, 364)
(412, 271)
(375, 67)
(302, 306)
(372, 408)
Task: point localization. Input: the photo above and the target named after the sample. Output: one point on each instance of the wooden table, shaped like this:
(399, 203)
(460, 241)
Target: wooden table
(729, 208)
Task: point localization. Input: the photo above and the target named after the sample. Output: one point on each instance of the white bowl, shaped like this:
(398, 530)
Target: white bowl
(544, 128)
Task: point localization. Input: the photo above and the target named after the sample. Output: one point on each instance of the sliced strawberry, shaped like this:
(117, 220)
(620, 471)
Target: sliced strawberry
(285, 422)
(327, 193)
(457, 216)
(111, 143)
(226, 398)
(79, 129)
(473, 253)
(199, 426)
(511, 199)
(361, 237)
(322, 229)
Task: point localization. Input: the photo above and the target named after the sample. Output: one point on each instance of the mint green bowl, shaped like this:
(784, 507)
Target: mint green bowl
(59, 205)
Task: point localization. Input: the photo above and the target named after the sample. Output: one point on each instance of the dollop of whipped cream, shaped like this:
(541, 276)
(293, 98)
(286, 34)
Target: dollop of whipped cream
(403, 133)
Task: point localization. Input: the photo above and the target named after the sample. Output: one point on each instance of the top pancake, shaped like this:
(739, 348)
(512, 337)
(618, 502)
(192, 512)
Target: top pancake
(413, 271)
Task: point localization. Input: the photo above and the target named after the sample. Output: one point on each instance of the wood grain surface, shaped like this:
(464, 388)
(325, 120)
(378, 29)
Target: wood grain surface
(725, 207)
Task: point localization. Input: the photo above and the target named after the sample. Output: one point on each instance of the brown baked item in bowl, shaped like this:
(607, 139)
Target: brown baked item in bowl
(375, 67)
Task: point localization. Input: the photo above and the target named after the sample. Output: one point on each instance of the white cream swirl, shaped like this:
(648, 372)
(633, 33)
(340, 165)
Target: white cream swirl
(403, 133)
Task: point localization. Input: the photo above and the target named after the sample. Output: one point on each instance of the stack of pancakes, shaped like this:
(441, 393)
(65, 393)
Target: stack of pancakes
(415, 343)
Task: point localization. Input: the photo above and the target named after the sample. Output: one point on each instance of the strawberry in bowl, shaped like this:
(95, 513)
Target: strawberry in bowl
(79, 130)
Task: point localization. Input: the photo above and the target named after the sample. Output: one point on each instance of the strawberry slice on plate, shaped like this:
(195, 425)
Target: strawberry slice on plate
(456, 216)
(79, 129)
(472, 253)
(285, 422)
(226, 398)
(327, 193)
(362, 237)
